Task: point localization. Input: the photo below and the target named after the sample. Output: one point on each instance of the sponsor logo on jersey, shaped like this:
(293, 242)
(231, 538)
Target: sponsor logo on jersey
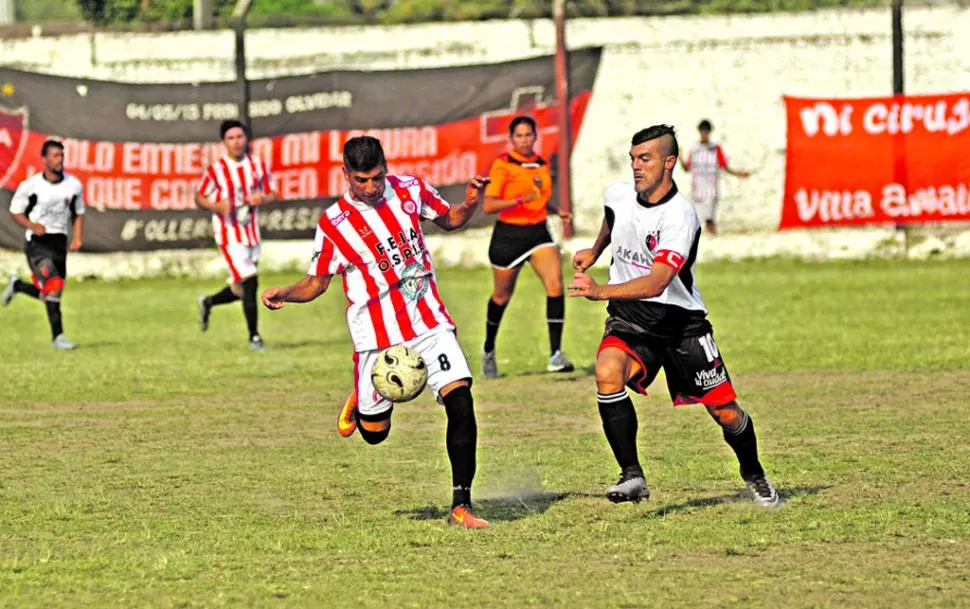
(339, 218)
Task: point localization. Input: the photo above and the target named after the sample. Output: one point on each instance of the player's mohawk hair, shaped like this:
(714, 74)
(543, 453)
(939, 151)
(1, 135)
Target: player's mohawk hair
(655, 131)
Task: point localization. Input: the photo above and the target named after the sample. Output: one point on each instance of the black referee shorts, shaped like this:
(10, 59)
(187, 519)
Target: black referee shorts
(47, 258)
(513, 244)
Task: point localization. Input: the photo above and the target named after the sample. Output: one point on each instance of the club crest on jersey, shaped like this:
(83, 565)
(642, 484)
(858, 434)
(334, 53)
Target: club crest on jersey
(414, 281)
(410, 208)
(651, 241)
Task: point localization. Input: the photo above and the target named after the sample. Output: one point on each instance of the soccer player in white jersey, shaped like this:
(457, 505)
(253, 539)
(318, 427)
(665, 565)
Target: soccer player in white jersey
(656, 316)
(49, 205)
(705, 161)
(233, 189)
(372, 238)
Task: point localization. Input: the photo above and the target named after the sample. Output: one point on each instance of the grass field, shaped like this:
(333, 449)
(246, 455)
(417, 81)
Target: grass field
(158, 467)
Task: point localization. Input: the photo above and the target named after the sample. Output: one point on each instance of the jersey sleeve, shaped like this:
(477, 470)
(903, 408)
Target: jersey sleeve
(267, 185)
(78, 201)
(677, 234)
(208, 185)
(432, 205)
(21, 198)
(498, 177)
(326, 260)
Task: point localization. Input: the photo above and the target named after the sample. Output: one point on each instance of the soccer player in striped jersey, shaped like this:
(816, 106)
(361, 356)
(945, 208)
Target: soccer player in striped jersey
(656, 316)
(705, 161)
(49, 205)
(233, 189)
(372, 238)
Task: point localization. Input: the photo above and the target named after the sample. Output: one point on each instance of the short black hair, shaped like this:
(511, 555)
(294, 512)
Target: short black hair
(231, 124)
(363, 153)
(48, 145)
(520, 120)
(705, 125)
(655, 131)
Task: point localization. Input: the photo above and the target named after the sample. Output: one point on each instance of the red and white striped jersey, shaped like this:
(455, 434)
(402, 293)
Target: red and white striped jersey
(705, 164)
(388, 278)
(236, 181)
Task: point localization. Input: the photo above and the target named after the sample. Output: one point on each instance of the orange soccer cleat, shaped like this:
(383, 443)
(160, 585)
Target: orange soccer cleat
(347, 419)
(462, 516)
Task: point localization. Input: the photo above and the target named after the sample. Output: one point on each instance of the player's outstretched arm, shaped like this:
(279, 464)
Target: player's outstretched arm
(219, 207)
(648, 286)
(305, 290)
(459, 215)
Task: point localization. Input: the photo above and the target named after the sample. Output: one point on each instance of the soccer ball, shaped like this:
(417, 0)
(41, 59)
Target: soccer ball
(399, 374)
(244, 215)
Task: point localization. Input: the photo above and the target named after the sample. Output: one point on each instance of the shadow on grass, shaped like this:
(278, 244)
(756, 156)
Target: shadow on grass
(498, 509)
(283, 346)
(703, 502)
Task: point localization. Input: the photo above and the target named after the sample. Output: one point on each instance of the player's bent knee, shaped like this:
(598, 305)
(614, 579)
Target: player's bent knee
(609, 375)
(374, 429)
(729, 416)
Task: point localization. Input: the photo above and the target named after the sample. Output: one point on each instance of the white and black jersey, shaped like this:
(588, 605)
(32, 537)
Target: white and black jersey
(51, 204)
(641, 235)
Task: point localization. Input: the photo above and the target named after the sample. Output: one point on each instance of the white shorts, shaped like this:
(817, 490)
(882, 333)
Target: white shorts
(442, 354)
(241, 260)
(706, 209)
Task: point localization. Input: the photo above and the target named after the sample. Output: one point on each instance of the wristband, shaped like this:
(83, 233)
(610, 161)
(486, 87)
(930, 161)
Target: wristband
(518, 200)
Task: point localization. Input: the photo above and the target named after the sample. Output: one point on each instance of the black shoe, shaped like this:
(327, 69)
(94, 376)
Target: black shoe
(204, 310)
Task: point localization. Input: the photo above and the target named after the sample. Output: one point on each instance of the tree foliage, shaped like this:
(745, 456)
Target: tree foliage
(131, 12)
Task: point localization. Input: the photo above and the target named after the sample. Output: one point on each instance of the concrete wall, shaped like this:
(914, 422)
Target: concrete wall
(731, 69)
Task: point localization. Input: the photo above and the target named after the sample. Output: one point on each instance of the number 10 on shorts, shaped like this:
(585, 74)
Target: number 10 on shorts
(710, 347)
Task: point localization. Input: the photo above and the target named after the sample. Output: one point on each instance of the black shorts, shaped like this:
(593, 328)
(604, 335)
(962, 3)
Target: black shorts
(513, 244)
(47, 258)
(695, 371)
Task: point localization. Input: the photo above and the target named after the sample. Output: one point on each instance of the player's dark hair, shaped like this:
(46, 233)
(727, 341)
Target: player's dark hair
(231, 124)
(363, 153)
(705, 125)
(520, 120)
(48, 145)
(655, 131)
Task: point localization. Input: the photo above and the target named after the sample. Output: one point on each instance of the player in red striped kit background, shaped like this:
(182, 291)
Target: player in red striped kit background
(372, 238)
(233, 189)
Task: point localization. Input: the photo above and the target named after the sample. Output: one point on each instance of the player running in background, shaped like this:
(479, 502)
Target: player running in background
(705, 162)
(50, 205)
(656, 316)
(372, 238)
(233, 188)
(519, 192)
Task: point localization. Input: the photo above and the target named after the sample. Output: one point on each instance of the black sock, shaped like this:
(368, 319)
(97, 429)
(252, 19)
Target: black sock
(26, 288)
(223, 296)
(492, 320)
(556, 319)
(250, 287)
(54, 317)
(461, 439)
(745, 446)
(620, 425)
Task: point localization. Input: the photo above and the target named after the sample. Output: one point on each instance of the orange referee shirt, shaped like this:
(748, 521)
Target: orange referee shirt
(514, 175)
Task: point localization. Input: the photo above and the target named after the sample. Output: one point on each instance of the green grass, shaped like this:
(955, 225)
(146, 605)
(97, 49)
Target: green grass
(157, 467)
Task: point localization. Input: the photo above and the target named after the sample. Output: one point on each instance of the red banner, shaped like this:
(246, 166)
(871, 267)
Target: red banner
(164, 176)
(903, 159)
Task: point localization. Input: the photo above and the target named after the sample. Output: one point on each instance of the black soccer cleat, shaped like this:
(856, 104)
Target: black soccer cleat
(205, 309)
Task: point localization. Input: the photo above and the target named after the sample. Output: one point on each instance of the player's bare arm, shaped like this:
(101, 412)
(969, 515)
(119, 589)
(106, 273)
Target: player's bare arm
(648, 286)
(585, 258)
(459, 215)
(307, 289)
(77, 233)
(262, 198)
(219, 207)
(34, 227)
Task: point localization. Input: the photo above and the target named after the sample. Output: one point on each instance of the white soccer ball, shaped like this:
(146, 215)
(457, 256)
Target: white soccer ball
(244, 214)
(399, 374)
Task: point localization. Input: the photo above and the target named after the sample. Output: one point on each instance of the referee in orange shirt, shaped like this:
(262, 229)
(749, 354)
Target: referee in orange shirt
(519, 192)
